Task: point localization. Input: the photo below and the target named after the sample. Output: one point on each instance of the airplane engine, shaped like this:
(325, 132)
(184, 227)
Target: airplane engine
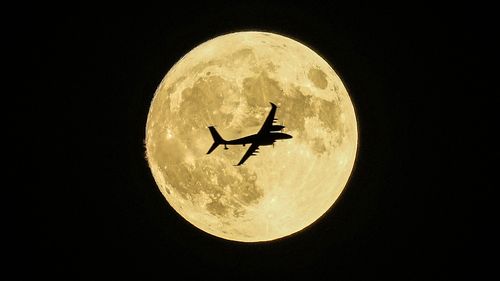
(277, 127)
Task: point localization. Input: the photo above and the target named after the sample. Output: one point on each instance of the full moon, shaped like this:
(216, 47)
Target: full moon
(228, 82)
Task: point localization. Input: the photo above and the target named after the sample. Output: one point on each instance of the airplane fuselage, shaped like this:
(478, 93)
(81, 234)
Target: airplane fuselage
(263, 139)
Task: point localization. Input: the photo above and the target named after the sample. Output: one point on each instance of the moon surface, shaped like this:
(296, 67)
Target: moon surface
(228, 82)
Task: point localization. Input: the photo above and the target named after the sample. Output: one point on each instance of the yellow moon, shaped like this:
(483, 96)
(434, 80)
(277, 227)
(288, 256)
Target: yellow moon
(228, 82)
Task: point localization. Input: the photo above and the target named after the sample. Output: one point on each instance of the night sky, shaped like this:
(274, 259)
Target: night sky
(110, 221)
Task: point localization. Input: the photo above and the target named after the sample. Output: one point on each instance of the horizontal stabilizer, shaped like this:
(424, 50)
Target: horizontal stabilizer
(213, 147)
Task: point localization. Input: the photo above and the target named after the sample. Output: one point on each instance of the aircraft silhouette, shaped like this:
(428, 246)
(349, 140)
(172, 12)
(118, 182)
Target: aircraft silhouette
(267, 135)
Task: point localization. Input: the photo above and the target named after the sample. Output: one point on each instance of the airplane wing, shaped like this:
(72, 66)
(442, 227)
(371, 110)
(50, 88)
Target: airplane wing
(266, 127)
(251, 151)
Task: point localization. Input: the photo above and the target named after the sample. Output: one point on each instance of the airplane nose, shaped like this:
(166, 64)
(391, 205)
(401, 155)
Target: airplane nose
(288, 136)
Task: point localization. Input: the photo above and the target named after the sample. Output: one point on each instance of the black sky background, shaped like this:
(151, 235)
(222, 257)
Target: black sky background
(109, 221)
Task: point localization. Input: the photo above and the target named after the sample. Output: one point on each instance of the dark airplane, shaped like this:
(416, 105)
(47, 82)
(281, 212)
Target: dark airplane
(267, 135)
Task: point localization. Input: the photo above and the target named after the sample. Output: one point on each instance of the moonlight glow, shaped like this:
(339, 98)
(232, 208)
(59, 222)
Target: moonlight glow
(228, 82)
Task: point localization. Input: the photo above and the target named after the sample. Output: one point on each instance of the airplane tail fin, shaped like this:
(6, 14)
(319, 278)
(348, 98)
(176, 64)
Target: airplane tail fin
(217, 139)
